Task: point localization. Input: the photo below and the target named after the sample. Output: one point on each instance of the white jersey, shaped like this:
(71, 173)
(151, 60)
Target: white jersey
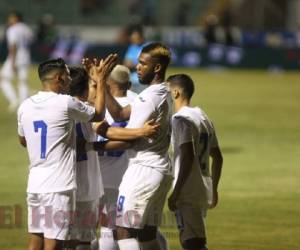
(114, 163)
(193, 125)
(152, 103)
(88, 175)
(47, 121)
(21, 36)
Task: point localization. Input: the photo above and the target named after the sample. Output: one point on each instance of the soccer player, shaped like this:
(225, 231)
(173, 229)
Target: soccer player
(114, 163)
(19, 37)
(46, 126)
(147, 180)
(194, 140)
(88, 176)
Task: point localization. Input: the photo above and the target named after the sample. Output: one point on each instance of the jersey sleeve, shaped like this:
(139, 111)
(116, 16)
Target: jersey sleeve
(182, 129)
(20, 127)
(142, 110)
(80, 111)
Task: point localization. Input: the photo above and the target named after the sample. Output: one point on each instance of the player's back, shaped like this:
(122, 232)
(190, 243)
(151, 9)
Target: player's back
(50, 138)
(155, 103)
(193, 125)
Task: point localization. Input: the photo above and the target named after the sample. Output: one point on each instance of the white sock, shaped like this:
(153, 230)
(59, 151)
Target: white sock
(162, 241)
(8, 91)
(106, 240)
(150, 245)
(23, 90)
(129, 244)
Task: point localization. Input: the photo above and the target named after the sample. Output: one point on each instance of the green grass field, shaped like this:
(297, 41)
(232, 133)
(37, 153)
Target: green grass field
(258, 124)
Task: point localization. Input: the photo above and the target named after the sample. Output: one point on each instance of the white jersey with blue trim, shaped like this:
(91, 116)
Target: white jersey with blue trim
(88, 175)
(152, 103)
(47, 121)
(193, 125)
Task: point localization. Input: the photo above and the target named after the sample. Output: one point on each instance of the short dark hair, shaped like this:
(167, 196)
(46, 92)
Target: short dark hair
(159, 51)
(184, 82)
(49, 66)
(80, 81)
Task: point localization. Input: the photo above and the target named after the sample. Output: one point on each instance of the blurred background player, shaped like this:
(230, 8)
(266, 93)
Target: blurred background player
(46, 126)
(146, 181)
(136, 38)
(114, 163)
(19, 36)
(194, 141)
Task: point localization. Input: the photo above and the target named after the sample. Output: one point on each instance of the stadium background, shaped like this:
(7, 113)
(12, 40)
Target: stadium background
(249, 87)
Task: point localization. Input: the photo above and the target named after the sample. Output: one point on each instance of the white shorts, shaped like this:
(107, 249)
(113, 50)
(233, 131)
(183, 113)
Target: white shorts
(190, 221)
(8, 73)
(51, 214)
(142, 196)
(110, 207)
(85, 221)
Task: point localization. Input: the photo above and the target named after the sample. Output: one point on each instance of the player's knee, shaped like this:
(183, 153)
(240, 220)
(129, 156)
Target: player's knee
(148, 233)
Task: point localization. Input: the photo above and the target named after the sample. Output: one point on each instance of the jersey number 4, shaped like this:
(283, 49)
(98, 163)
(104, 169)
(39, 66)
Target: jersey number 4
(43, 126)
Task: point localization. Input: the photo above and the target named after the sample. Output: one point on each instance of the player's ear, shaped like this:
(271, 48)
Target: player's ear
(58, 78)
(175, 93)
(157, 68)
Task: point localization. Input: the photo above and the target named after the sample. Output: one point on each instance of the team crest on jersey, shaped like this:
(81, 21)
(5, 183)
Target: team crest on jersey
(142, 99)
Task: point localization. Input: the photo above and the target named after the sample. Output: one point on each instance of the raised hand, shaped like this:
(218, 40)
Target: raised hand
(99, 70)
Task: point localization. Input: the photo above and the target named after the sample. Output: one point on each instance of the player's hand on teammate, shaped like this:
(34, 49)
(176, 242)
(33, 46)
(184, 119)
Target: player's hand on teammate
(150, 128)
(100, 128)
(99, 70)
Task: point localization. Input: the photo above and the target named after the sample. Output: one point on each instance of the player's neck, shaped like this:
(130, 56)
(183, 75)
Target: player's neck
(158, 79)
(180, 103)
(50, 88)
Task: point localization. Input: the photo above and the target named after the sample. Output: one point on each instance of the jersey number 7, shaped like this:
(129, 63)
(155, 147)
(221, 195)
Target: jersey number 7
(43, 126)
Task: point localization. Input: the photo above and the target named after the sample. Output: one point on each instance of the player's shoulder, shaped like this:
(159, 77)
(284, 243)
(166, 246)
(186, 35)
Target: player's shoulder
(180, 119)
(157, 91)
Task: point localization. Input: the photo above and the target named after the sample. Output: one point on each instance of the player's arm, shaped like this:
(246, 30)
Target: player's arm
(186, 161)
(117, 112)
(21, 135)
(216, 170)
(117, 133)
(22, 141)
(184, 141)
(108, 145)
